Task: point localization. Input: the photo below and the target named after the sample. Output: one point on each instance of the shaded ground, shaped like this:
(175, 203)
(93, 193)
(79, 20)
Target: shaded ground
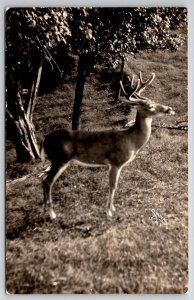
(82, 251)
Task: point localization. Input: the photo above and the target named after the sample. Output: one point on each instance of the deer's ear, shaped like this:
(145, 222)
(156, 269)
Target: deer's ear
(129, 102)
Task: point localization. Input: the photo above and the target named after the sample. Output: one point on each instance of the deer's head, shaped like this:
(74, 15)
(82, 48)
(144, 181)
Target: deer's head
(144, 105)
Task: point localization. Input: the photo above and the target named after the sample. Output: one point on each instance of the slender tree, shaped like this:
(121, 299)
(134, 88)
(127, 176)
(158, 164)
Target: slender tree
(30, 33)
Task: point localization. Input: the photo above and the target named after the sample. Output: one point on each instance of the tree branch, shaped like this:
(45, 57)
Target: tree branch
(179, 127)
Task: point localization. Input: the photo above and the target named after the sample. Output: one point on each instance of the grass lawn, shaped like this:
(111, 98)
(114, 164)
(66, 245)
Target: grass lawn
(82, 251)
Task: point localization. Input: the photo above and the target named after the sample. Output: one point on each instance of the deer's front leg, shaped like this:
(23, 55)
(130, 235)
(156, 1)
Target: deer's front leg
(55, 171)
(114, 173)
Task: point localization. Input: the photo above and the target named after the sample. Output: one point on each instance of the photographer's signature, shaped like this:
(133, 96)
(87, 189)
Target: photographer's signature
(157, 218)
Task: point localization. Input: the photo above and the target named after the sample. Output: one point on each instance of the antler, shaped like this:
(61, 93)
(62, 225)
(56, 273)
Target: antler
(135, 95)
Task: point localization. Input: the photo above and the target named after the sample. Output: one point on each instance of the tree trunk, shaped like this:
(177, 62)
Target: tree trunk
(21, 132)
(20, 128)
(34, 91)
(81, 78)
(121, 79)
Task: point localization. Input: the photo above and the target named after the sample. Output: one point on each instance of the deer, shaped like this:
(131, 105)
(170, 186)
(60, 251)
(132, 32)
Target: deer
(108, 148)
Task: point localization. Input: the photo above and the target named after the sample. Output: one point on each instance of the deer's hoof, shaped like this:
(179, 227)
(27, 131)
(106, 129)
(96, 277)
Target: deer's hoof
(52, 215)
(109, 213)
(113, 208)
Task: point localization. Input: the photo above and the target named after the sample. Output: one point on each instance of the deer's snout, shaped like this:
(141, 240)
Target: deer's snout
(170, 111)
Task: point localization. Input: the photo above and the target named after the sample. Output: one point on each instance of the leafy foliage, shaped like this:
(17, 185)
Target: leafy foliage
(25, 26)
(107, 33)
(31, 32)
(177, 16)
(113, 33)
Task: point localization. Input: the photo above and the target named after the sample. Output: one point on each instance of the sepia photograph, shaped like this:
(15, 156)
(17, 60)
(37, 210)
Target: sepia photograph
(96, 150)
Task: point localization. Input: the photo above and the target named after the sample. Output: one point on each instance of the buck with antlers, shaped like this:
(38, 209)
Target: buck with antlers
(112, 148)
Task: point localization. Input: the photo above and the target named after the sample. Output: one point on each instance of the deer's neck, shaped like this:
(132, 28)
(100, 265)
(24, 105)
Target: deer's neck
(142, 129)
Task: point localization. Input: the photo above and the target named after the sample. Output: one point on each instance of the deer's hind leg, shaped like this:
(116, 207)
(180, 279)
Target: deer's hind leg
(56, 170)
